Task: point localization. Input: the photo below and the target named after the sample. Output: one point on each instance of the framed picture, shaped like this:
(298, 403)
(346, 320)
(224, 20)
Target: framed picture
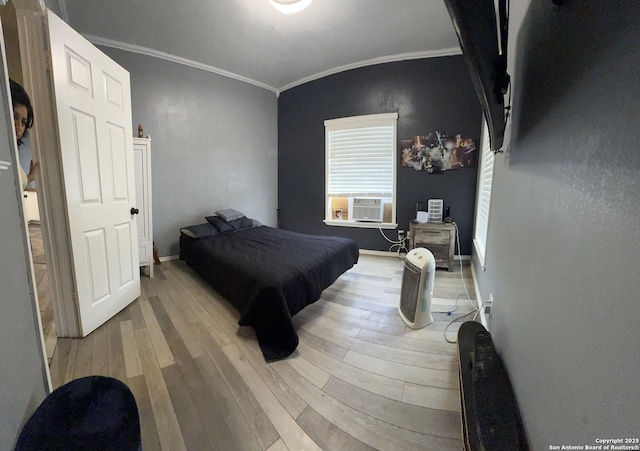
(437, 152)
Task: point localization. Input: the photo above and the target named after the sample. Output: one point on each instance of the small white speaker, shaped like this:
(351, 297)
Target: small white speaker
(422, 216)
(417, 288)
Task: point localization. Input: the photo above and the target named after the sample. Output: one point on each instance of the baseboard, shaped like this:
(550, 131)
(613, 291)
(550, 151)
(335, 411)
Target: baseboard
(381, 253)
(395, 254)
(169, 258)
(481, 313)
(362, 251)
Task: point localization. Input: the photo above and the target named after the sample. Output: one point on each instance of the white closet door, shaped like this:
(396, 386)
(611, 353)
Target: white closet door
(93, 108)
(142, 163)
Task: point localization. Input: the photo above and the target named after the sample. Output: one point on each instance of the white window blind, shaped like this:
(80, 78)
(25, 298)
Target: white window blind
(483, 204)
(360, 161)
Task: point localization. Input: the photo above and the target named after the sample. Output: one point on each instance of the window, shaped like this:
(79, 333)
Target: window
(360, 155)
(483, 203)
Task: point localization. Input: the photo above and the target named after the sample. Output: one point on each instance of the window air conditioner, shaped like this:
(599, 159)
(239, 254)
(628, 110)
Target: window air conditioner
(367, 209)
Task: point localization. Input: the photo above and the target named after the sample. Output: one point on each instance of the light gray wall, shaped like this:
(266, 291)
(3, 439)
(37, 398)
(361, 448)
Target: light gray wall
(562, 254)
(55, 6)
(23, 383)
(214, 144)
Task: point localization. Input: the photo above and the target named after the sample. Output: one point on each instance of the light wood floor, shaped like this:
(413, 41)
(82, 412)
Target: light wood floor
(360, 379)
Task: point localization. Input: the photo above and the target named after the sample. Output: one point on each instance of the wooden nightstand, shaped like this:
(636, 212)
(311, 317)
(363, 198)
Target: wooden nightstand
(438, 237)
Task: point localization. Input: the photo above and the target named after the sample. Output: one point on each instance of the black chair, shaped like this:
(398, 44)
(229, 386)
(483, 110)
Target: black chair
(90, 413)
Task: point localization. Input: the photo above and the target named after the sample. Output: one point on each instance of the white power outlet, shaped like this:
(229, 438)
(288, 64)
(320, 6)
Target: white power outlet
(485, 313)
(400, 235)
(489, 305)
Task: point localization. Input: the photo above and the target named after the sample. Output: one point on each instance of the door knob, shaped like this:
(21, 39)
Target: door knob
(134, 211)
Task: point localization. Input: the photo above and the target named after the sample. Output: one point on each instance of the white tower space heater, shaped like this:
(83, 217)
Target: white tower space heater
(417, 288)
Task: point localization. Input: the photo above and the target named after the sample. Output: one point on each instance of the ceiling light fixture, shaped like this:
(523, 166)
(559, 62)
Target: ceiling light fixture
(290, 6)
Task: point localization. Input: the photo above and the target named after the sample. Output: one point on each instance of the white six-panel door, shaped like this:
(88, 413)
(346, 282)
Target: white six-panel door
(93, 107)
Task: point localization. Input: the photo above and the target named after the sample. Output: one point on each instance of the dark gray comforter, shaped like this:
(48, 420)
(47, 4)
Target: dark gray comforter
(269, 275)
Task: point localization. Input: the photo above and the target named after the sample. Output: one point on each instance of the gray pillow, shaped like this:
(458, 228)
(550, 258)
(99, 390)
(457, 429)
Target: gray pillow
(229, 214)
(230, 226)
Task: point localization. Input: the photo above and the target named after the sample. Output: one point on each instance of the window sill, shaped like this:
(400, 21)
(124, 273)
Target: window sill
(360, 225)
(479, 254)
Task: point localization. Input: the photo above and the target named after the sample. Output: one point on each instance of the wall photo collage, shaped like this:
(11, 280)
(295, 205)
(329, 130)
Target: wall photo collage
(437, 152)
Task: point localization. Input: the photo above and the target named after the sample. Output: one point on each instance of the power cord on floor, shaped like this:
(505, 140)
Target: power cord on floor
(476, 309)
(400, 243)
(474, 312)
(455, 306)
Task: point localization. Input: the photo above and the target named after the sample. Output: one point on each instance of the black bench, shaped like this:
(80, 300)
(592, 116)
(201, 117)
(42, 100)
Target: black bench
(490, 416)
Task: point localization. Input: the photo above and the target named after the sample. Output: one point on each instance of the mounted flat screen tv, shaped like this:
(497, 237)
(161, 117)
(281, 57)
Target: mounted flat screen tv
(482, 32)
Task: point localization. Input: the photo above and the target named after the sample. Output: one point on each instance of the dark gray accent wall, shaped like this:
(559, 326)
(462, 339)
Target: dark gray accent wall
(562, 253)
(434, 94)
(213, 144)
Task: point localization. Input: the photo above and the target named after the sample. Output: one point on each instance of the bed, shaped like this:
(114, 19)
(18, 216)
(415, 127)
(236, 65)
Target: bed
(267, 274)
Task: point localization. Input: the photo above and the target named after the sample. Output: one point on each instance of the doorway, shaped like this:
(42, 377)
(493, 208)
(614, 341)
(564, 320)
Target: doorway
(82, 109)
(30, 195)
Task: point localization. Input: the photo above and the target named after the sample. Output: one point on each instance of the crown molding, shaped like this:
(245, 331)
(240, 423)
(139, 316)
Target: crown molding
(96, 40)
(373, 61)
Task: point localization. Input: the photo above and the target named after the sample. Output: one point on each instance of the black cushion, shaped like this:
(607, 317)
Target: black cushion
(200, 230)
(90, 413)
(220, 224)
(225, 227)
